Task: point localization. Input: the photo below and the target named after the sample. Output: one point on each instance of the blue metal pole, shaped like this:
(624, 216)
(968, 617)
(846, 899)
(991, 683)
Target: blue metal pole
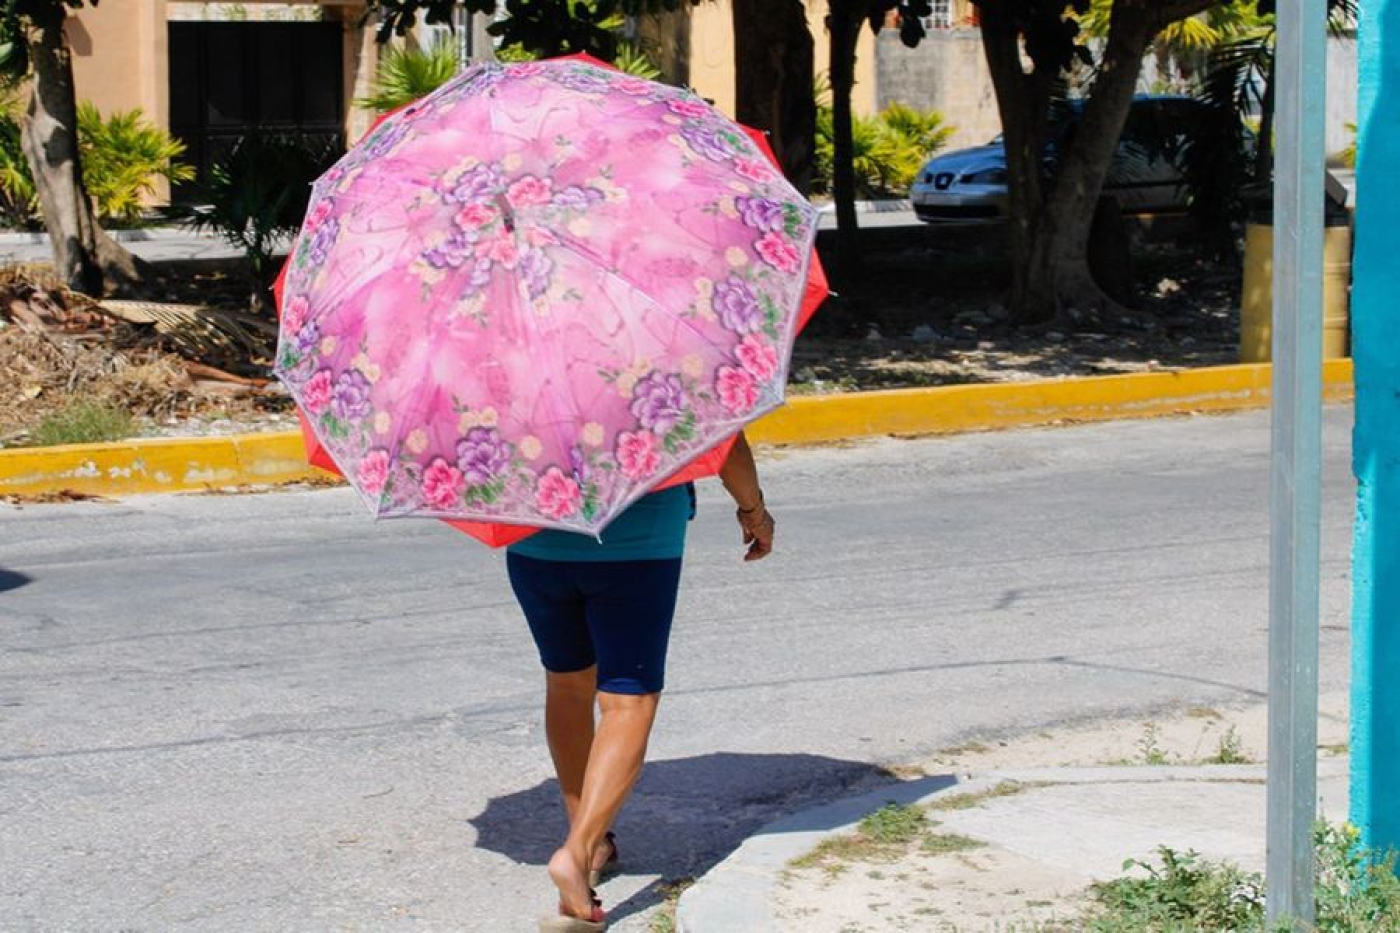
(1375, 673)
(1296, 474)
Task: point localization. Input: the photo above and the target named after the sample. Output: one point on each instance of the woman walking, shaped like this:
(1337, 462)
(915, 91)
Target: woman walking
(600, 613)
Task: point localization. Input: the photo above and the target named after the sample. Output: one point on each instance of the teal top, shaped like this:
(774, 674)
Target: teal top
(652, 528)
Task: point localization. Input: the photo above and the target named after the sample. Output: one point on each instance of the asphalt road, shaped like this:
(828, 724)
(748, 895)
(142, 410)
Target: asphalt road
(264, 712)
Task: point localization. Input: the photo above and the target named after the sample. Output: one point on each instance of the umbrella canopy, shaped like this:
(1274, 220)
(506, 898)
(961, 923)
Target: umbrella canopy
(539, 293)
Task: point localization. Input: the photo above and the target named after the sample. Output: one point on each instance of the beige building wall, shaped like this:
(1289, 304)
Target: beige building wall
(712, 55)
(119, 57)
(121, 60)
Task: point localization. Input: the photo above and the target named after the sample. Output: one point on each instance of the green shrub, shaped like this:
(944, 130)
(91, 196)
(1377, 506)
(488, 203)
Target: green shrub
(1356, 891)
(256, 195)
(888, 149)
(405, 75)
(123, 156)
(82, 422)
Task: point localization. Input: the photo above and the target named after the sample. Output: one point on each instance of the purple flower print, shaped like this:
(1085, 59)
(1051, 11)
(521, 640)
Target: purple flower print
(482, 456)
(475, 80)
(322, 240)
(737, 305)
(478, 183)
(535, 268)
(587, 80)
(658, 402)
(578, 465)
(480, 277)
(760, 213)
(450, 253)
(577, 197)
(350, 398)
(307, 338)
(386, 138)
(711, 143)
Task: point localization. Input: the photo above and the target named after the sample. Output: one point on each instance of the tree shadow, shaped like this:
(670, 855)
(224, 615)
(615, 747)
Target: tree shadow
(685, 815)
(10, 580)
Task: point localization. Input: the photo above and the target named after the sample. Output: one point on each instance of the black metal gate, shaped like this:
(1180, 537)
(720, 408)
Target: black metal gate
(230, 79)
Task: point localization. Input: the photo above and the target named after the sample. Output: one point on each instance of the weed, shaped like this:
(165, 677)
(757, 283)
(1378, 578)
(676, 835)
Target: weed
(1356, 892)
(665, 919)
(1230, 750)
(1339, 749)
(82, 422)
(1149, 746)
(1202, 712)
(943, 843)
(968, 801)
(881, 836)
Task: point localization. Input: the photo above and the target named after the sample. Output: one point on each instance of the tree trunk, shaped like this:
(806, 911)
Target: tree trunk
(773, 77)
(1024, 103)
(1060, 271)
(665, 38)
(83, 254)
(843, 23)
(1050, 230)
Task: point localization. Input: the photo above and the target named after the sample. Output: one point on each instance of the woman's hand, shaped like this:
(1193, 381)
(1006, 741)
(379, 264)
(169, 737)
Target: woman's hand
(740, 478)
(758, 526)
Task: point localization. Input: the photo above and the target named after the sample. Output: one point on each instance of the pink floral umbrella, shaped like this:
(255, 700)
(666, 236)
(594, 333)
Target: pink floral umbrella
(536, 294)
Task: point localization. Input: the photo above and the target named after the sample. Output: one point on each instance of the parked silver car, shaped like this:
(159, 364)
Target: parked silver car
(1145, 175)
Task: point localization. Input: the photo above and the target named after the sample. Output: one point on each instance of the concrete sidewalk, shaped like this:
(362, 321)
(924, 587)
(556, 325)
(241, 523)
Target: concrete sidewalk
(1020, 846)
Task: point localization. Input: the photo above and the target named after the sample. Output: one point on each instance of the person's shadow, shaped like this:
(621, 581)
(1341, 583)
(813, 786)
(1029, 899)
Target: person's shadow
(685, 815)
(9, 580)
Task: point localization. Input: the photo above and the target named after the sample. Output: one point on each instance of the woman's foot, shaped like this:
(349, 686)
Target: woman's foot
(575, 896)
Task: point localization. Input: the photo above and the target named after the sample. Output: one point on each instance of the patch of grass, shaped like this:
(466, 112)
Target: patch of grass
(1357, 892)
(82, 422)
(881, 836)
(943, 843)
(1229, 750)
(968, 801)
(665, 919)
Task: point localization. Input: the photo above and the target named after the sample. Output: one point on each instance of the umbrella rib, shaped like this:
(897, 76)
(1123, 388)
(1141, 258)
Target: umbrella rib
(579, 249)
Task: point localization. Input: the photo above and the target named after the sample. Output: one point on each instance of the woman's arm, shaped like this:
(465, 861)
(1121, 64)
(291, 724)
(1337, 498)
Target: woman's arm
(740, 478)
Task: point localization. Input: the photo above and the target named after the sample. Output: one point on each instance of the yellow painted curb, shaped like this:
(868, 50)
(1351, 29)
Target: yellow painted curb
(986, 406)
(182, 464)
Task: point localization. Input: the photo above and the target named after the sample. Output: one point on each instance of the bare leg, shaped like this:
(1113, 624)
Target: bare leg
(614, 763)
(568, 727)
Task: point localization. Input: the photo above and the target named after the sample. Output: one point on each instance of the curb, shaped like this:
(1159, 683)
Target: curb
(197, 464)
(735, 896)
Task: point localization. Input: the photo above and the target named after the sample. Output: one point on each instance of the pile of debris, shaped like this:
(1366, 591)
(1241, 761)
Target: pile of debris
(157, 361)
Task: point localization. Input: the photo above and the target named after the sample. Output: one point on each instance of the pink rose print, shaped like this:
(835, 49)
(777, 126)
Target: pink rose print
(294, 314)
(524, 69)
(758, 357)
(318, 215)
(373, 471)
(688, 108)
(776, 250)
(634, 86)
(501, 249)
(474, 216)
(557, 496)
(317, 394)
(442, 485)
(737, 390)
(530, 191)
(637, 454)
(754, 169)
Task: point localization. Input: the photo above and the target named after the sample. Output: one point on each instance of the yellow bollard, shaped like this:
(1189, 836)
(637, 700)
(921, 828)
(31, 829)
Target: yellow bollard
(1256, 306)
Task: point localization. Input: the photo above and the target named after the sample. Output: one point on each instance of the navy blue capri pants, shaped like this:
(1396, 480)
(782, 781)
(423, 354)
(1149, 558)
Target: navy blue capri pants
(615, 614)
